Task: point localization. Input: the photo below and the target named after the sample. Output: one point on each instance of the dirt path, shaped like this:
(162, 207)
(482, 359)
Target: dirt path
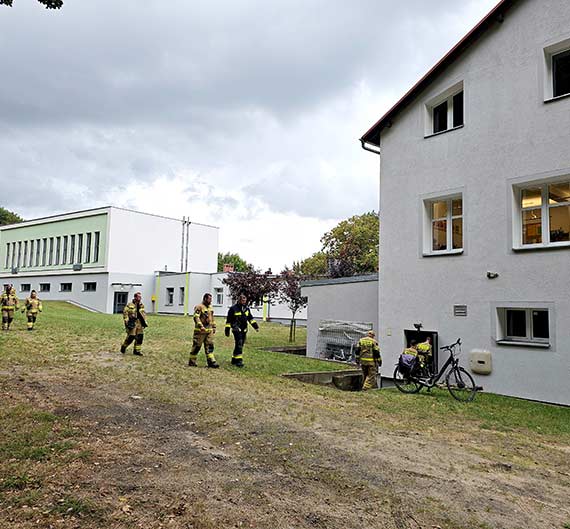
(154, 465)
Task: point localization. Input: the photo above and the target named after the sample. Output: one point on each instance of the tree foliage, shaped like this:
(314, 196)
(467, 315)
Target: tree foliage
(240, 265)
(49, 4)
(8, 217)
(350, 248)
(314, 266)
(253, 284)
(289, 291)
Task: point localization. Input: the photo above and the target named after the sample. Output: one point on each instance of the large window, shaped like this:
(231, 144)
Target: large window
(446, 112)
(88, 248)
(38, 248)
(79, 248)
(71, 249)
(446, 225)
(50, 261)
(57, 249)
(96, 246)
(545, 214)
(523, 325)
(44, 251)
(25, 259)
(64, 256)
(7, 264)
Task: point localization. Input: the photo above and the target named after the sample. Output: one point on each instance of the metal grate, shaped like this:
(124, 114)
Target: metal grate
(460, 310)
(336, 339)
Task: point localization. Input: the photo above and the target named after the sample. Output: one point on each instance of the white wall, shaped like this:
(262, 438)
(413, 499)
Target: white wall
(203, 248)
(346, 299)
(140, 243)
(95, 300)
(510, 133)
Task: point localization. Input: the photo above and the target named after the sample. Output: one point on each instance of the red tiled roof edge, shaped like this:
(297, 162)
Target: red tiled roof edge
(372, 136)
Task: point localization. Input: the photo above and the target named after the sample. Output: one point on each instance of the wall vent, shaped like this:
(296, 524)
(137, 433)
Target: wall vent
(77, 267)
(460, 310)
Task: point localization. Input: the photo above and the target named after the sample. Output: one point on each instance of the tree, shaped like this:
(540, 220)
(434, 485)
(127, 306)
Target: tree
(8, 217)
(314, 266)
(50, 4)
(240, 265)
(352, 245)
(253, 284)
(290, 294)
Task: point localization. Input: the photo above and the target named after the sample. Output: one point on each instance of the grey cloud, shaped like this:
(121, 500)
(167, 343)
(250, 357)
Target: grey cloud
(103, 94)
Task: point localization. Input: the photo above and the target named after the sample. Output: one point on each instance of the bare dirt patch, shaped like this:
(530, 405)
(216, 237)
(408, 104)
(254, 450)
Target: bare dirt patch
(226, 456)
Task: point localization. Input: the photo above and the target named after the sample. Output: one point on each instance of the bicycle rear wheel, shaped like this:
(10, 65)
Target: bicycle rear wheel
(405, 383)
(461, 384)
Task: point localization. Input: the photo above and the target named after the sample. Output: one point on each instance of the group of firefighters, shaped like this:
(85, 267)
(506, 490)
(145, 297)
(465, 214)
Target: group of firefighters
(369, 358)
(237, 321)
(10, 303)
(238, 318)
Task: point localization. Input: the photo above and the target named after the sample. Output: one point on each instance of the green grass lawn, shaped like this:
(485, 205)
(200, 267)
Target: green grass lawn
(292, 429)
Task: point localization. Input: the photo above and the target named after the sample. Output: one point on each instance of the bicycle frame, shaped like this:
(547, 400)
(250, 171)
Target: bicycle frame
(452, 360)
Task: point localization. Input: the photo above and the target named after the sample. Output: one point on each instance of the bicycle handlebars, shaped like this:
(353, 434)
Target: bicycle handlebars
(451, 346)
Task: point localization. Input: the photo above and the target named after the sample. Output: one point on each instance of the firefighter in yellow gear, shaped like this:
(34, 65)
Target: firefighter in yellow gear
(134, 318)
(204, 330)
(424, 350)
(32, 306)
(368, 356)
(9, 303)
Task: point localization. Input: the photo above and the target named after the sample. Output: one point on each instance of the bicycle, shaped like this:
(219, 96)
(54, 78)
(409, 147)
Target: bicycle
(458, 381)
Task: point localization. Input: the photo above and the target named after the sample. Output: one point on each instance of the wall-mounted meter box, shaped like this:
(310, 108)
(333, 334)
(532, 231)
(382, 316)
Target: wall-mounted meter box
(480, 362)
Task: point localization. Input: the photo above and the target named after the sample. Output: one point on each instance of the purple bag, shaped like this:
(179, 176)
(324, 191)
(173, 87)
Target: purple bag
(407, 363)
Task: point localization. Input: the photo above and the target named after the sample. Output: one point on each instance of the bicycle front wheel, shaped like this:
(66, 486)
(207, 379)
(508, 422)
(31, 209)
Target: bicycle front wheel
(461, 385)
(405, 383)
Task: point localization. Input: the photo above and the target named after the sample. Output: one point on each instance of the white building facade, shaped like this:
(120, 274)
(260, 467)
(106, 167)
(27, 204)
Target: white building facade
(179, 293)
(475, 202)
(99, 258)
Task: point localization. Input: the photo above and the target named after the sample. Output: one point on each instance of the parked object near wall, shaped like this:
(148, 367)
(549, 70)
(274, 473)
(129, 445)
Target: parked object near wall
(336, 340)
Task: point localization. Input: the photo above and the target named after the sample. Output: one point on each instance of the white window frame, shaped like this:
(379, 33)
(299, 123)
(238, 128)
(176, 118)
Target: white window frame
(429, 221)
(25, 287)
(85, 289)
(548, 74)
(45, 287)
(169, 296)
(219, 296)
(433, 103)
(61, 289)
(529, 339)
(545, 214)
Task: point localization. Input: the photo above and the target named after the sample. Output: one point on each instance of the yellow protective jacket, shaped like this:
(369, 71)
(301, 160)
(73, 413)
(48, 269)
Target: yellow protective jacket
(9, 301)
(33, 306)
(135, 313)
(204, 319)
(368, 351)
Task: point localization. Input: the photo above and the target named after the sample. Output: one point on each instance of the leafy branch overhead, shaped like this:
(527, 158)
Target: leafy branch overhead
(50, 4)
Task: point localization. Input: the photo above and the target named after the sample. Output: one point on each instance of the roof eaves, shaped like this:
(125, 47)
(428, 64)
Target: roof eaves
(372, 136)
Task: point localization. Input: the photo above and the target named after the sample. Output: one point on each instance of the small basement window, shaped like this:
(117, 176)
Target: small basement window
(45, 287)
(65, 287)
(90, 287)
(520, 326)
(25, 287)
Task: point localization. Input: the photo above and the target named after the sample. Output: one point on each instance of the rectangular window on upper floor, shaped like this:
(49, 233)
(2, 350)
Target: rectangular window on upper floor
(445, 111)
(557, 70)
(443, 225)
(542, 215)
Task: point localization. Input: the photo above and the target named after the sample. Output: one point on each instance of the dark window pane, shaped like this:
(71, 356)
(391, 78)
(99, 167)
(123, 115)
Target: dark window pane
(516, 323)
(561, 73)
(457, 234)
(458, 110)
(560, 224)
(440, 118)
(540, 324)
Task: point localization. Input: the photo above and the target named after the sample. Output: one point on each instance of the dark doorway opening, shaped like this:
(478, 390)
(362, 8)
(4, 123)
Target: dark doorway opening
(421, 336)
(121, 299)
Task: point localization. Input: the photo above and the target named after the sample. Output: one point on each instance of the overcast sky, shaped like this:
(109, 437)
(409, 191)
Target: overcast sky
(244, 114)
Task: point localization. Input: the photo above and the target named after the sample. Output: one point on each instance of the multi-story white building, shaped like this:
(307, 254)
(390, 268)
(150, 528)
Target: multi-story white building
(98, 258)
(475, 201)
